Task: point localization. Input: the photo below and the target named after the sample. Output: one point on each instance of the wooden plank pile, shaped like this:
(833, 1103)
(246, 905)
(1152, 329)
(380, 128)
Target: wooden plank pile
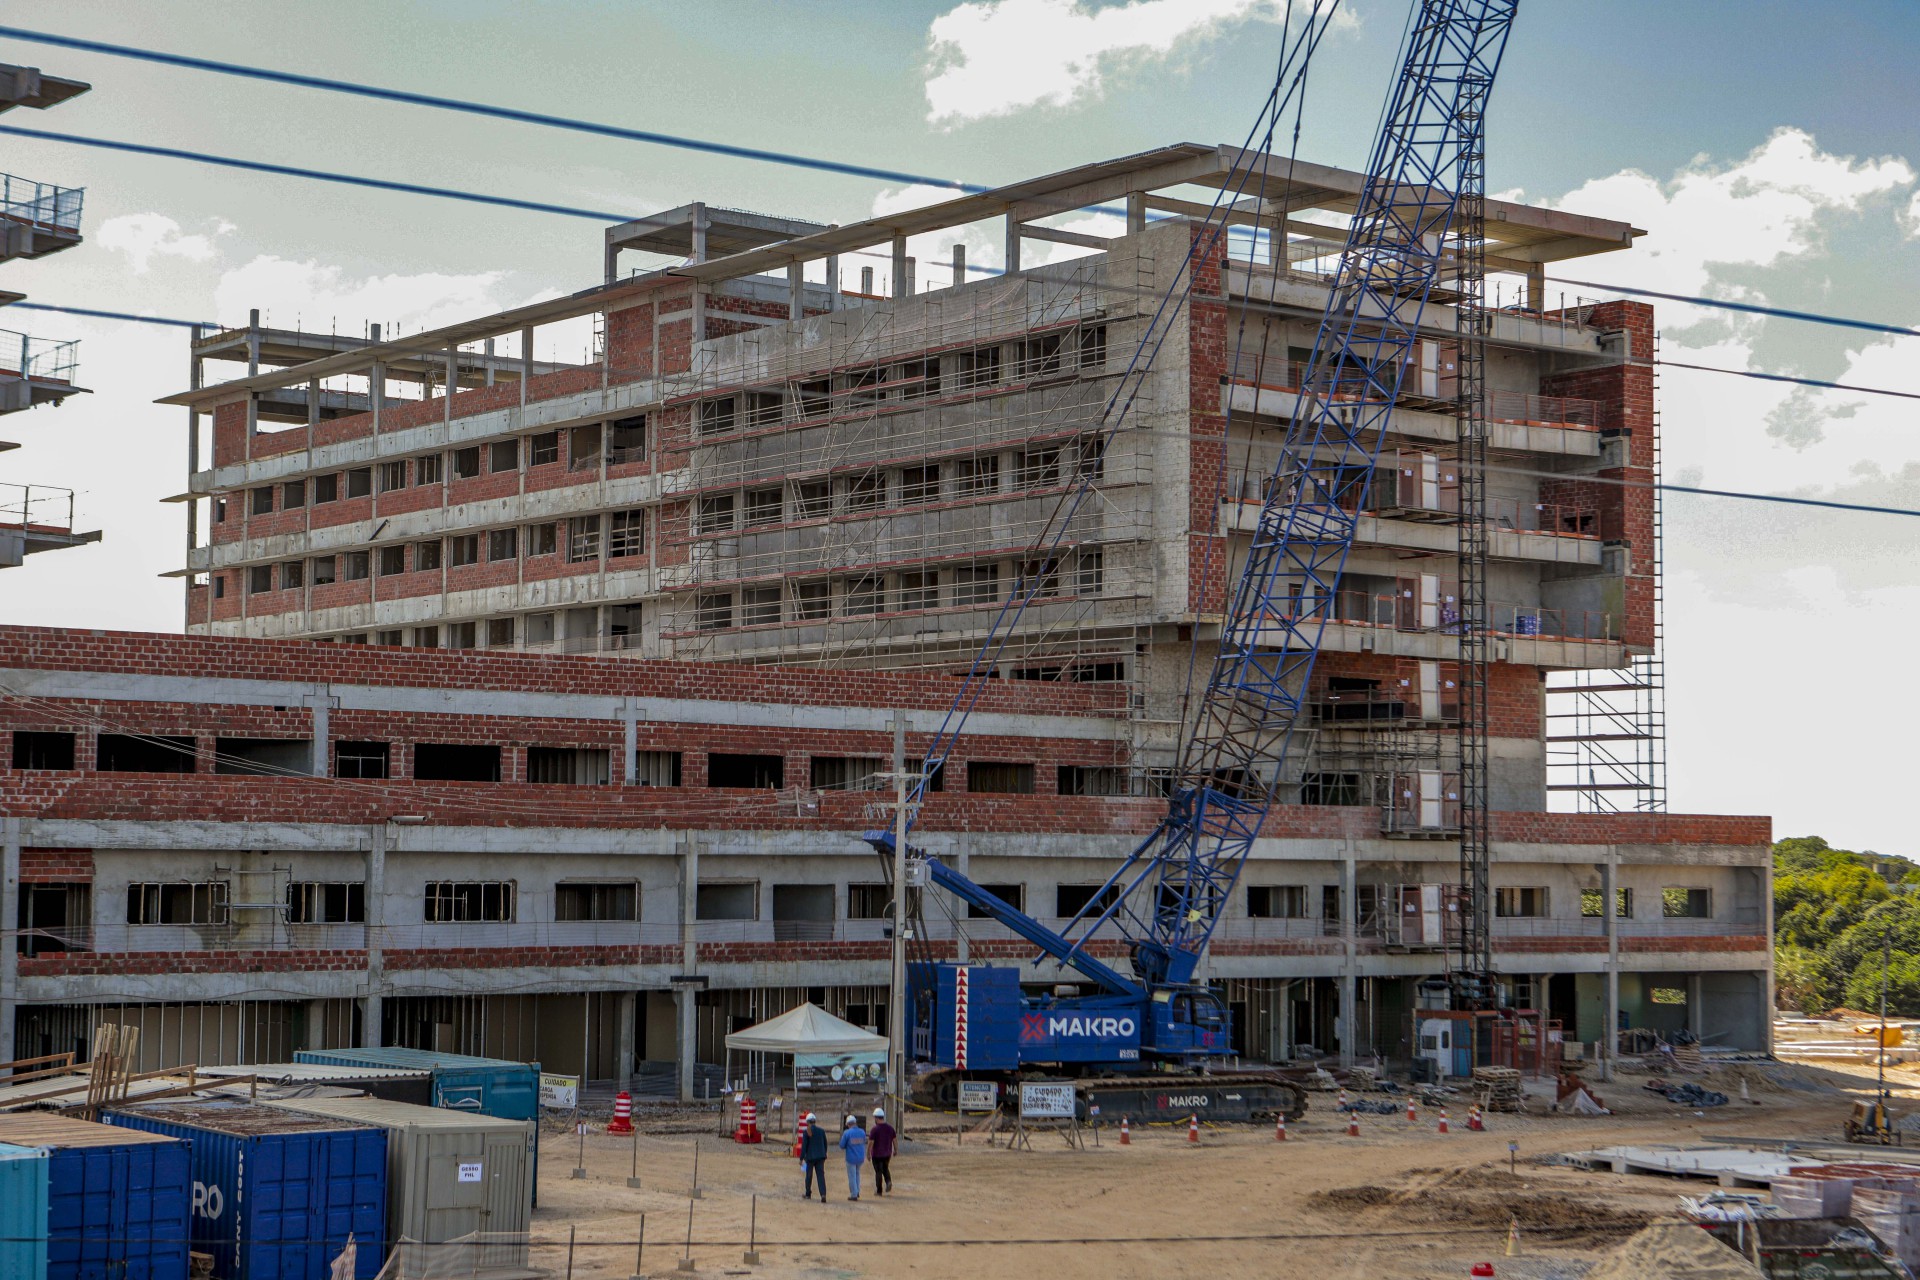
(1497, 1089)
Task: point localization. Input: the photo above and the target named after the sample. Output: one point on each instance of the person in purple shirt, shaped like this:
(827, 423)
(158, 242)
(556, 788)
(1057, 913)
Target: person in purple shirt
(880, 1145)
(854, 1143)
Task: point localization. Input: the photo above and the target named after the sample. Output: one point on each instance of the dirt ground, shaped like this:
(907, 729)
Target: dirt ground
(1400, 1202)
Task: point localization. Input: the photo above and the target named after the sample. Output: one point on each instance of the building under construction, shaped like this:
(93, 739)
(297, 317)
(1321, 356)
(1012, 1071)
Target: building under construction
(752, 465)
(36, 219)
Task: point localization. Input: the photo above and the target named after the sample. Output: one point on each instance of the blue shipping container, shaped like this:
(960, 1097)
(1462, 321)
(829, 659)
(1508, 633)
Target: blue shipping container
(23, 1212)
(276, 1194)
(491, 1086)
(116, 1198)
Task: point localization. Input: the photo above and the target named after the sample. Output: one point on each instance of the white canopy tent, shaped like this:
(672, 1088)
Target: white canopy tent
(806, 1029)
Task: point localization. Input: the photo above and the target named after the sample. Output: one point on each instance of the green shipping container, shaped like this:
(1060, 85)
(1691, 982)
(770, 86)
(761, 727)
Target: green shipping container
(23, 1212)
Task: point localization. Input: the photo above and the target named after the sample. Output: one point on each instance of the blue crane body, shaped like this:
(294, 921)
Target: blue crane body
(1161, 905)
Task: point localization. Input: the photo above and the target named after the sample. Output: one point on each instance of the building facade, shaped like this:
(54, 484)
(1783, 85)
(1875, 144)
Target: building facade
(248, 848)
(601, 652)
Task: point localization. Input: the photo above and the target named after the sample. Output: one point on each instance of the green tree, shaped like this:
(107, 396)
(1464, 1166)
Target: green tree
(1803, 980)
(1903, 985)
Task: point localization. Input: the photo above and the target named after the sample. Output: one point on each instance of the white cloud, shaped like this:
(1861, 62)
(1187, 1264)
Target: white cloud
(995, 57)
(1759, 211)
(1912, 217)
(146, 236)
(316, 297)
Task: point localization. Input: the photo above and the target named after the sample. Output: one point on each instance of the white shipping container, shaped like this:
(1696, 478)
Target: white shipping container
(449, 1173)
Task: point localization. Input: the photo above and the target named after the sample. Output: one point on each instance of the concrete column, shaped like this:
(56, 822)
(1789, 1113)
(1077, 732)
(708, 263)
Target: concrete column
(9, 919)
(452, 381)
(796, 290)
(376, 920)
(526, 362)
(902, 287)
(833, 282)
(1350, 961)
(959, 265)
(1013, 244)
(313, 403)
(1609, 912)
(1537, 293)
(489, 352)
(322, 704)
(376, 381)
(627, 1011)
(699, 245)
(629, 741)
(684, 992)
(1767, 991)
(1136, 212)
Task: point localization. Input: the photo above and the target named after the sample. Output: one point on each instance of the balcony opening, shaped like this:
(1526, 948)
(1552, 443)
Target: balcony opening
(1277, 901)
(597, 900)
(569, 766)
(54, 917)
(1003, 777)
(871, 901)
(725, 769)
(845, 773)
(360, 760)
(1070, 900)
(802, 912)
(656, 769)
(42, 750)
(1014, 895)
(737, 900)
(1092, 780)
(326, 902)
(143, 753)
(452, 901)
(455, 762)
(268, 757)
(178, 903)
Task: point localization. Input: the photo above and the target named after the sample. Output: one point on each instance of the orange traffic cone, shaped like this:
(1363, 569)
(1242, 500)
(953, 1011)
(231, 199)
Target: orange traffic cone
(1343, 1101)
(1280, 1129)
(1443, 1120)
(1412, 1116)
(1474, 1122)
(1513, 1238)
(1126, 1135)
(1353, 1124)
(1193, 1128)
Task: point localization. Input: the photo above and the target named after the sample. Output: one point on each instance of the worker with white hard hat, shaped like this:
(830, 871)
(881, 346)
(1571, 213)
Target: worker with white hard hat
(813, 1155)
(853, 1141)
(882, 1141)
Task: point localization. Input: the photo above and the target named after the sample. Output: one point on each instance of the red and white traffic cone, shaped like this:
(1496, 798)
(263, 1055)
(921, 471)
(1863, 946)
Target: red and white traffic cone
(1280, 1129)
(1343, 1101)
(1353, 1124)
(622, 1113)
(1475, 1123)
(1443, 1120)
(1126, 1135)
(1193, 1128)
(749, 1127)
(1413, 1116)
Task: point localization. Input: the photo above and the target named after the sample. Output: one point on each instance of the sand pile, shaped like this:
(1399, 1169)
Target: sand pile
(1675, 1251)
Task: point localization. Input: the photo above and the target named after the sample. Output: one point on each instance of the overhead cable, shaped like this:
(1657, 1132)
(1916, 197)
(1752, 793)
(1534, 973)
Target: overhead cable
(333, 84)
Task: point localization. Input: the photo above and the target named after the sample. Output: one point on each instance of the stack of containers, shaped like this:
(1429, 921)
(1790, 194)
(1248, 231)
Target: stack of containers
(450, 1174)
(491, 1086)
(1893, 1214)
(23, 1212)
(275, 1194)
(116, 1199)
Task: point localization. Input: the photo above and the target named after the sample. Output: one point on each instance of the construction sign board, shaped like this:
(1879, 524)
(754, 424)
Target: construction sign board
(1047, 1101)
(979, 1095)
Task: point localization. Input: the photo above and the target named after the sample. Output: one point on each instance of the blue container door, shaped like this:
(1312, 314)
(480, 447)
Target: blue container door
(118, 1213)
(303, 1194)
(23, 1212)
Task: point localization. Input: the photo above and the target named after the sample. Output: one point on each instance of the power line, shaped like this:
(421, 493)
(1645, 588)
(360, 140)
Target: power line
(1754, 308)
(316, 175)
(1783, 377)
(128, 316)
(335, 85)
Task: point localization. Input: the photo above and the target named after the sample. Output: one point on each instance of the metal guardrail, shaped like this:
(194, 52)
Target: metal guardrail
(36, 506)
(40, 203)
(54, 361)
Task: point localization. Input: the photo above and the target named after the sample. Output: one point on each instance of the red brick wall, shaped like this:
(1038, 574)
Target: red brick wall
(1625, 395)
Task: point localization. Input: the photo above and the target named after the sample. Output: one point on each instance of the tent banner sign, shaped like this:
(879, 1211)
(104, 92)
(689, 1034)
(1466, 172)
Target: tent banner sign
(839, 1070)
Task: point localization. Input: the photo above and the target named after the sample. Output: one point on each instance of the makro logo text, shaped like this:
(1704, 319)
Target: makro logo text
(1105, 1028)
(207, 1201)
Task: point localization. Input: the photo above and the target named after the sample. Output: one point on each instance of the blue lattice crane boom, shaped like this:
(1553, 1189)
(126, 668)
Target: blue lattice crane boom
(1167, 897)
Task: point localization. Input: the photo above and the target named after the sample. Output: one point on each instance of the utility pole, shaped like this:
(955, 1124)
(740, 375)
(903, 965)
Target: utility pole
(897, 987)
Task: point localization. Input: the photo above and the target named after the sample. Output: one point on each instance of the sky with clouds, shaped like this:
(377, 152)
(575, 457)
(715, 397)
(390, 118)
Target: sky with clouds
(1770, 159)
